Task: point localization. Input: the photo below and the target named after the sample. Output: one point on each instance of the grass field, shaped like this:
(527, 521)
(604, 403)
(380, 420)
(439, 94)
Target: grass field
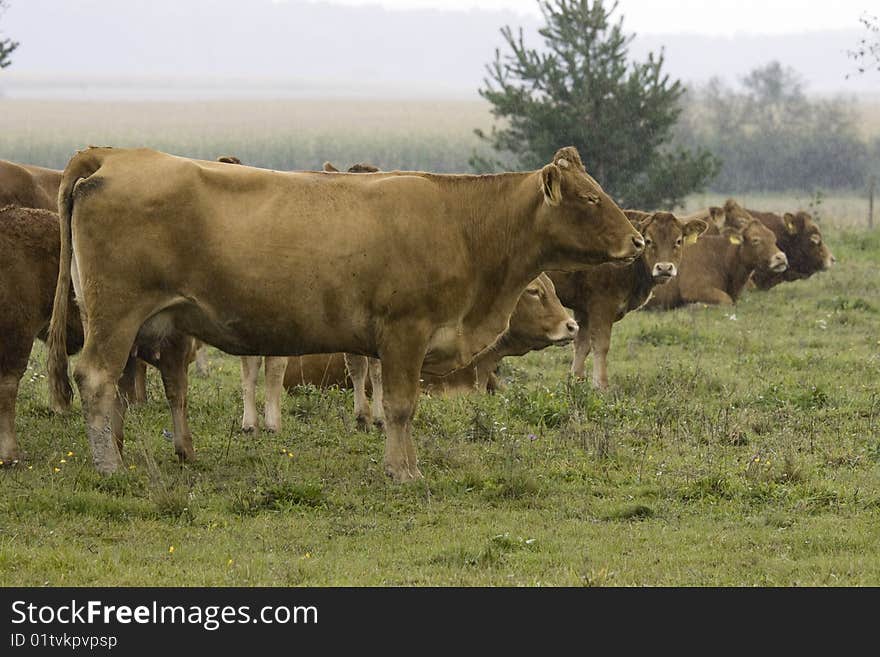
(735, 447)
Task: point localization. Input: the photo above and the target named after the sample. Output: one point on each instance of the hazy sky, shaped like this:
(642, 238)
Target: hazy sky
(704, 16)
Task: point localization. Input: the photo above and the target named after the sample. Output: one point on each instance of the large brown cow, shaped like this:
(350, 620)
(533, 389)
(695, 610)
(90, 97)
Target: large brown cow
(29, 186)
(422, 270)
(30, 245)
(801, 240)
(602, 295)
(716, 268)
(538, 321)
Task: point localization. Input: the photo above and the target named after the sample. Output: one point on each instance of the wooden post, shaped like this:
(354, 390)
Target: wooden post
(871, 184)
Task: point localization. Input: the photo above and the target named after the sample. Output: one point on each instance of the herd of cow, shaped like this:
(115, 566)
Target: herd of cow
(410, 280)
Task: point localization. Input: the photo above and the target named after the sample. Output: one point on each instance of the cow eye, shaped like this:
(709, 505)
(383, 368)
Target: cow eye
(592, 199)
(815, 239)
(648, 241)
(678, 242)
(756, 240)
(534, 292)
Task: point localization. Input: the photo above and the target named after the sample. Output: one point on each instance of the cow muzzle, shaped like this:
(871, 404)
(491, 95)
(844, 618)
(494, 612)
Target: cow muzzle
(830, 260)
(631, 253)
(778, 263)
(564, 333)
(663, 271)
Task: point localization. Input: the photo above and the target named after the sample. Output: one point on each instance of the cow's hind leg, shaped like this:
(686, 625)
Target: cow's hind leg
(401, 367)
(97, 375)
(174, 359)
(250, 369)
(275, 367)
(358, 367)
(375, 367)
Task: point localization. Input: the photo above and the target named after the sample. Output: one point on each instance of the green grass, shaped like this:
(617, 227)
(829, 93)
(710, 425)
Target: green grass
(735, 447)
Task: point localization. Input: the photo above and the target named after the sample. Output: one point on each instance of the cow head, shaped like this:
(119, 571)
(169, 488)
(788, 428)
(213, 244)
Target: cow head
(360, 167)
(539, 319)
(583, 224)
(806, 250)
(665, 237)
(757, 246)
(229, 159)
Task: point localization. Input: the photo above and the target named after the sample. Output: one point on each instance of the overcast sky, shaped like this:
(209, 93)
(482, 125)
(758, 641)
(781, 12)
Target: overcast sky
(703, 16)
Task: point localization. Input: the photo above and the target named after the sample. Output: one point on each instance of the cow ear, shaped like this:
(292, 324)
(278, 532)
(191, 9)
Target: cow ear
(790, 224)
(329, 168)
(733, 235)
(551, 184)
(693, 229)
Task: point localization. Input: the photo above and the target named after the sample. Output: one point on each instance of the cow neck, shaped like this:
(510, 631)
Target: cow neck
(737, 272)
(642, 283)
(504, 248)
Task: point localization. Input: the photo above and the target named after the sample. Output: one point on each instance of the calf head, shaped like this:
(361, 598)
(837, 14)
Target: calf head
(360, 167)
(229, 159)
(665, 237)
(806, 250)
(757, 246)
(539, 319)
(582, 224)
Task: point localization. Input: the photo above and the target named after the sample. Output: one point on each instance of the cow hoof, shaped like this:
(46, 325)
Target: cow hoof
(379, 423)
(402, 474)
(10, 460)
(248, 428)
(185, 455)
(272, 428)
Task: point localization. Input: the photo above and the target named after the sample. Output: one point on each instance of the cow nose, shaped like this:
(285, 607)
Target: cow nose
(638, 242)
(664, 268)
(833, 259)
(572, 327)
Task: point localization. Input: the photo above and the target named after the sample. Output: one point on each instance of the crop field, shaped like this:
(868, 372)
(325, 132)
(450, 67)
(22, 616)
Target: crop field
(736, 446)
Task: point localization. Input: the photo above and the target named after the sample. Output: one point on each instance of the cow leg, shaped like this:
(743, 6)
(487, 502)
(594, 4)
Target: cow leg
(375, 368)
(401, 367)
(202, 360)
(97, 374)
(715, 296)
(250, 369)
(173, 363)
(358, 366)
(600, 337)
(275, 367)
(9, 452)
(140, 382)
(125, 387)
(581, 347)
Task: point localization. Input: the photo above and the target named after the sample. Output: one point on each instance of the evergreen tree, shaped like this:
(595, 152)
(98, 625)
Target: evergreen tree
(6, 45)
(581, 90)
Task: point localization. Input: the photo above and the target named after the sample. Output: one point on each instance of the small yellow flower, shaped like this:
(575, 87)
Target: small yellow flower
(229, 563)
(56, 469)
(70, 453)
(131, 467)
(171, 549)
(62, 461)
(1, 462)
(290, 454)
(307, 555)
(757, 459)
(30, 467)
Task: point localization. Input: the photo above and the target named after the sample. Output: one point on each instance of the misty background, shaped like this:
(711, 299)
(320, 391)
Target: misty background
(301, 49)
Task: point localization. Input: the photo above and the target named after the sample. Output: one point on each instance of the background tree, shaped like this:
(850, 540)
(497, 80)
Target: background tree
(6, 45)
(581, 90)
(867, 53)
(771, 136)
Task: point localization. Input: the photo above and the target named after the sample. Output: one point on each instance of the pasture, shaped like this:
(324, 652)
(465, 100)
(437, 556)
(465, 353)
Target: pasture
(735, 447)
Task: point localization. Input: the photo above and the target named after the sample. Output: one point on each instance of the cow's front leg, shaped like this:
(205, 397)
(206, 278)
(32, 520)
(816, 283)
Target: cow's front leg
(8, 392)
(275, 367)
(401, 367)
(358, 366)
(581, 347)
(599, 329)
(250, 369)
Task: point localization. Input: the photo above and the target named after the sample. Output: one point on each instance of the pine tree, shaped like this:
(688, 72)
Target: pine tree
(6, 45)
(581, 90)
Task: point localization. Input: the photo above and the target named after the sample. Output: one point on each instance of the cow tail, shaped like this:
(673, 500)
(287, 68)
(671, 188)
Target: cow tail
(81, 165)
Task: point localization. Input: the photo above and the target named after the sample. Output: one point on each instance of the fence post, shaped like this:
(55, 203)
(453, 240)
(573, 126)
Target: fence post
(871, 184)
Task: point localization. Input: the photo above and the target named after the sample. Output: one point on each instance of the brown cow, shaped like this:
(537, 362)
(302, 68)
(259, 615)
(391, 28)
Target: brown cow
(421, 270)
(603, 295)
(29, 186)
(717, 267)
(30, 245)
(537, 322)
(801, 240)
